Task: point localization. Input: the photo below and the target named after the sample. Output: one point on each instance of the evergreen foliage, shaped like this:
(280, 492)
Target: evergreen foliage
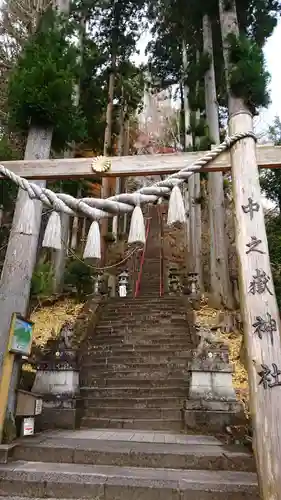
(42, 280)
(273, 231)
(41, 85)
(271, 185)
(257, 18)
(248, 77)
(271, 179)
(8, 189)
(80, 277)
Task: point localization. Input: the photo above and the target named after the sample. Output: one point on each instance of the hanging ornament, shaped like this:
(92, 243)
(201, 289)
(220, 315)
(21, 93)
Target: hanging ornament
(52, 236)
(176, 212)
(93, 244)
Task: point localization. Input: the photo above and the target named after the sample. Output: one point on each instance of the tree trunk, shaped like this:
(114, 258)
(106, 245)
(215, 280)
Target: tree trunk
(219, 271)
(194, 223)
(182, 119)
(261, 321)
(107, 148)
(21, 253)
(116, 218)
(197, 112)
(60, 256)
(74, 234)
(188, 136)
(127, 136)
(195, 235)
(109, 109)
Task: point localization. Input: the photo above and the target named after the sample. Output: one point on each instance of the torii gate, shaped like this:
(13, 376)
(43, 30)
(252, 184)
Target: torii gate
(138, 165)
(259, 309)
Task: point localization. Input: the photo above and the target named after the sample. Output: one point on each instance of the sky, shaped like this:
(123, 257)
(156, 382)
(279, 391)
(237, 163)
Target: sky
(272, 52)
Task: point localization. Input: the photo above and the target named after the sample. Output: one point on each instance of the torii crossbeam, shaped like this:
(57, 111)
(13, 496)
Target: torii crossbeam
(137, 165)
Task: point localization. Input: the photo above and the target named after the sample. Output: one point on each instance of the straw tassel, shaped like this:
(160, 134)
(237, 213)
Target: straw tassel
(137, 228)
(93, 245)
(26, 222)
(52, 236)
(176, 212)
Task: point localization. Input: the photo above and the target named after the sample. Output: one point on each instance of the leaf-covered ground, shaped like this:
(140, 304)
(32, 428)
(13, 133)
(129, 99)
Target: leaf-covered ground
(49, 319)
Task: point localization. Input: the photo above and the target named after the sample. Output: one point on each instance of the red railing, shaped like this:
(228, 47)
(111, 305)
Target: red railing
(137, 288)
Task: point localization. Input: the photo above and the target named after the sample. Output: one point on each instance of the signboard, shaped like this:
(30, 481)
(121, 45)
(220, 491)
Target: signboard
(38, 406)
(28, 426)
(20, 335)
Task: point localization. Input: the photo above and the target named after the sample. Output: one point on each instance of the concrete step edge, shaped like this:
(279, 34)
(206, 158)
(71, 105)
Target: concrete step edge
(86, 475)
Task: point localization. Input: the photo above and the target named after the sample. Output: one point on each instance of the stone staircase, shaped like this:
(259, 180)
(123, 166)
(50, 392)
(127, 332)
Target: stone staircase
(134, 380)
(134, 368)
(135, 362)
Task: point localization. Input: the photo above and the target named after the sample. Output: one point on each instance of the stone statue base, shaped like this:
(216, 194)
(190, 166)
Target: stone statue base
(212, 402)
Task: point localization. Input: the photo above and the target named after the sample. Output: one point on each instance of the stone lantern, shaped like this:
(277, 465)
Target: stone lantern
(123, 280)
(193, 285)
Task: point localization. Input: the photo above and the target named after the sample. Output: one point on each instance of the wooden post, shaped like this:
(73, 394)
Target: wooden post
(5, 382)
(187, 211)
(219, 269)
(195, 235)
(259, 309)
(22, 248)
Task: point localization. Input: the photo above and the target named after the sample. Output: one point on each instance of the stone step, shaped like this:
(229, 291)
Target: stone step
(110, 342)
(144, 338)
(146, 306)
(140, 334)
(141, 301)
(130, 377)
(134, 391)
(125, 302)
(146, 382)
(146, 315)
(132, 423)
(128, 364)
(173, 453)
(144, 325)
(100, 359)
(155, 303)
(134, 402)
(139, 350)
(134, 413)
(135, 332)
(104, 482)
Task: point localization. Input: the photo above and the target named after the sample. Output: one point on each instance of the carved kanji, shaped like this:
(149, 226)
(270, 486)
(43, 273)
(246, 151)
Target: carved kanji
(267, 326)
(270, 378)
(251, 208)
(253, 245)
(259, 284)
